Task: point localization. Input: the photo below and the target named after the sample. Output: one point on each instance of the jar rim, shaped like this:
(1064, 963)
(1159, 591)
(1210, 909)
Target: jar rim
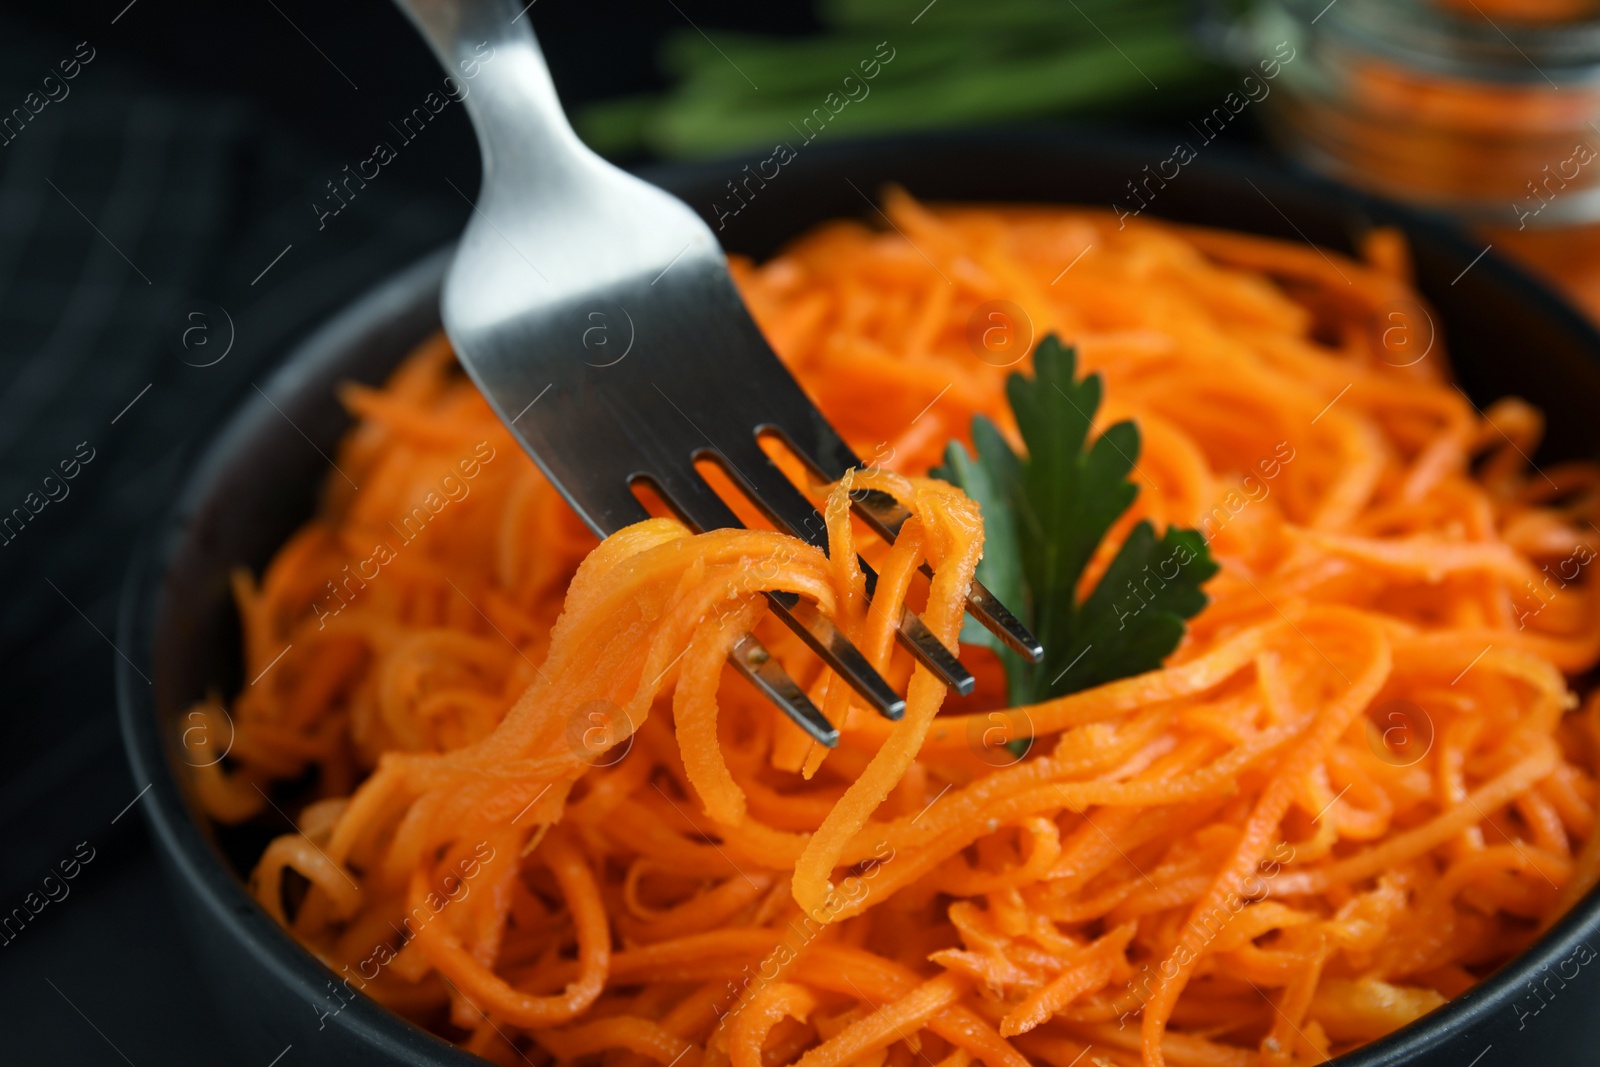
(1422, 33)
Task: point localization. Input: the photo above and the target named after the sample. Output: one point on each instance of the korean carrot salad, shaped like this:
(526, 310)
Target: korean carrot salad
(1306, 756)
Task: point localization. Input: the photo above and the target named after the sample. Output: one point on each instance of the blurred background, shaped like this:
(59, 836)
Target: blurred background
(176, 210)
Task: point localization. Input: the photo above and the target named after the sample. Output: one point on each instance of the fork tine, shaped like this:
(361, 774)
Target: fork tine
(817, 445)
(749, 656)
(697, 503)
(766, 674)
(829, 642)
(915, 637)
(771, 489)
(885, 515)
(998, 620)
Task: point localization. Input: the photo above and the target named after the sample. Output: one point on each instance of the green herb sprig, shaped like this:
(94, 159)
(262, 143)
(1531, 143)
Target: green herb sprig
(1045, 514)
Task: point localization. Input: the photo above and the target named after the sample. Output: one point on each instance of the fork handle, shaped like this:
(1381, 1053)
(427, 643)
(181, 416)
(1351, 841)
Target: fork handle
(490, 53)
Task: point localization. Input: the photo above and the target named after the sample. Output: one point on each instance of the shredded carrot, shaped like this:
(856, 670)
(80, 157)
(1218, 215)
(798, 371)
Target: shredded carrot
(536, 813)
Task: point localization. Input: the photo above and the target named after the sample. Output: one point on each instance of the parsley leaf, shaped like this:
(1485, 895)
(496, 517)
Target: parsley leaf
(1046, 512)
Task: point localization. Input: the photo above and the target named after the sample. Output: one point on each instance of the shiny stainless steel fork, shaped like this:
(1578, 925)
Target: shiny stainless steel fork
(596, 313)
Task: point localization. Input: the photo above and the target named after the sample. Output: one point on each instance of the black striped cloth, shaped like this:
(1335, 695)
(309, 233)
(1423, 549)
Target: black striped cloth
(126, 210)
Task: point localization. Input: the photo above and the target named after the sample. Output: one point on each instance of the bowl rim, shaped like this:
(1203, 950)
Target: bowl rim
(190, 854)
(184, 845)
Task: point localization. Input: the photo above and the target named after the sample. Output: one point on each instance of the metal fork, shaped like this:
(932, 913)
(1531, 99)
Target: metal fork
(597, 315)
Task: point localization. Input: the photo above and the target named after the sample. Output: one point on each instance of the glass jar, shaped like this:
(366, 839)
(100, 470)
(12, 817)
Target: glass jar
(1486, 110)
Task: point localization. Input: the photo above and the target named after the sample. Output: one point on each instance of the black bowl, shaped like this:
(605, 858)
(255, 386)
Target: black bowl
(257, 482)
